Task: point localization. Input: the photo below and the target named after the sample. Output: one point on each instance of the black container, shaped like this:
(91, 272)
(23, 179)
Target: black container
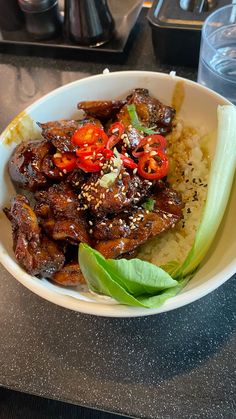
(176, 29)
(88, 22)
(42, 18)
(11, 17)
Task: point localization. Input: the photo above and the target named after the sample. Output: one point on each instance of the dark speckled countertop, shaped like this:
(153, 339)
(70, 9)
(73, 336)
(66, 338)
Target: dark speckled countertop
(179, 364)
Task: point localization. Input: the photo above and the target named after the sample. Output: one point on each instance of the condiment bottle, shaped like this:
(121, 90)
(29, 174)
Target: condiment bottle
(88, 22)
(42, 18)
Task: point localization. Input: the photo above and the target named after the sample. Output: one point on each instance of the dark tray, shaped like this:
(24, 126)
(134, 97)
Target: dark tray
(125, 14)
(176, 29)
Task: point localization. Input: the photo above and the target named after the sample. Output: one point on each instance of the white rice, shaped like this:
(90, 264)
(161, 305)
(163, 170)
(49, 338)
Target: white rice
(189, 170)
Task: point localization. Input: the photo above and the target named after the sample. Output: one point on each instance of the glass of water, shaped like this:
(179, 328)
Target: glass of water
(217, 61)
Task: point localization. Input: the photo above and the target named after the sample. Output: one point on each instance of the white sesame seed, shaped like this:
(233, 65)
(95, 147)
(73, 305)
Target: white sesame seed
(115, 130)
(57, 155)
(153, 153)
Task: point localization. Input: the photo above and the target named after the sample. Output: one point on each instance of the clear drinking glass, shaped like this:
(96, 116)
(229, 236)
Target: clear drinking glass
(217, 61)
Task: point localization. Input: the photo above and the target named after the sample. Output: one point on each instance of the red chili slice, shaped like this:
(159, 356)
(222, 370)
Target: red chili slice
(107, 153)
(150, 143)
(153, 166)
(65, 161)
(89, 134)
(128, 162)
(89, 150)
(115, 131)
(93, 159)
(89, 164)
(112, 141)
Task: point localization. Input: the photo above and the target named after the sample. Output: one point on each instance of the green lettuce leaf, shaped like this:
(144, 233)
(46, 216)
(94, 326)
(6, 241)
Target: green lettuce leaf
(133, 282)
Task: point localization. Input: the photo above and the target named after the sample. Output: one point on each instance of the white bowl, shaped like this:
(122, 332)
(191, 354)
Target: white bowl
(198, 108)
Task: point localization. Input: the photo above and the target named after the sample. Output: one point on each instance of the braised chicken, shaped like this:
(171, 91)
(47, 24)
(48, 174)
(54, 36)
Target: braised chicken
(101, 109)
(26, 165)
(60, 217)
(60, 132)
(128, 189)
(125, 231)
(37, 254)
(69, 276)
(92, 186)
(151, 112)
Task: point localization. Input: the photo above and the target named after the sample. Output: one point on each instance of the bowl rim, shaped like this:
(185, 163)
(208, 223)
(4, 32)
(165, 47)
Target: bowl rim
(102, 309)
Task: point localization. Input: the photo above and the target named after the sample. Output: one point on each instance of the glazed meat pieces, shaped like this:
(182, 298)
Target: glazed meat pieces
(69, 276)
(37, 254)
(25, 165)
(57, 208)
(72, 231)
(34, 251)
(61, 200)
(60, 132)
(101, 109)
(72, 206)
(125, 232)
(151, 112)
(127, 190)
(76, 178)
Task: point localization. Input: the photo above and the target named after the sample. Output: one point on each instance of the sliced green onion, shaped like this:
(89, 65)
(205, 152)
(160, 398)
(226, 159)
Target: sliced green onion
(135, 121)
(149, 204)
